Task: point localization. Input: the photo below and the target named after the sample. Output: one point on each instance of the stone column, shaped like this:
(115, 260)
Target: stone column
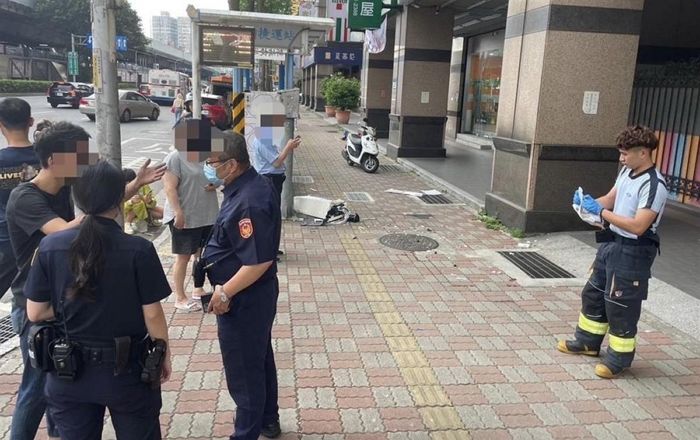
(561, 58)
(420, 80)
(375, 80)
(305, 86)
(323, 71)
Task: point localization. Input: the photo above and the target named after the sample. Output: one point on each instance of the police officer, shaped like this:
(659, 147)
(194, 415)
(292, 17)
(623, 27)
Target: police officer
(612, 298)
(241, 256)
(104, 288)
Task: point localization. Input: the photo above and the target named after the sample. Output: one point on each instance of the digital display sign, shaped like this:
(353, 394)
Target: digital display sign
(225, 46)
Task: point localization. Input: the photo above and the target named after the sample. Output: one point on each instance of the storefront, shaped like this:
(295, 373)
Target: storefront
(482, 83)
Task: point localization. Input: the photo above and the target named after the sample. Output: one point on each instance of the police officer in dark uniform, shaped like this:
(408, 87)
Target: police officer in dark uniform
(241, 260)
(104, 288)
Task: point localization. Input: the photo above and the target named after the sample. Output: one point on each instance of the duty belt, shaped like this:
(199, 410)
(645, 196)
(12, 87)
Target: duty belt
(641, 241)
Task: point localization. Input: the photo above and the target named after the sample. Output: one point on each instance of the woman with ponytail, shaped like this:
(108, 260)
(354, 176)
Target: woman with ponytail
(104, 289)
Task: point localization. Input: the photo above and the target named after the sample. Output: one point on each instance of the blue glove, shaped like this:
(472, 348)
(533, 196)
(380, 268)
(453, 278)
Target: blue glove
(591, 205)
(577, 199)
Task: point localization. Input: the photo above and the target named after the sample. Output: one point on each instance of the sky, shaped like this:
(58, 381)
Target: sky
(148, 8)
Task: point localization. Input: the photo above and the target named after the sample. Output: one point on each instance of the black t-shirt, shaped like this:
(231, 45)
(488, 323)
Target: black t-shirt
(28, 209)
(132, 277)
(17, 165)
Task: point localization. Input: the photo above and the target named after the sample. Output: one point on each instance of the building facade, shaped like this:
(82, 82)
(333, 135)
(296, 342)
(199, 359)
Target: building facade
(547, 83)
(164, 29)
(184, 34)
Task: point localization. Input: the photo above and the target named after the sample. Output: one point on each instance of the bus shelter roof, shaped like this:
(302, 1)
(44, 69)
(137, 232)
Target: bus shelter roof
(272, 30)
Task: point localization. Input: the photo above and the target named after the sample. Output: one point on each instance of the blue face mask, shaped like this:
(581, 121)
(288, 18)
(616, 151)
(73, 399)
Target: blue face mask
(210, 174)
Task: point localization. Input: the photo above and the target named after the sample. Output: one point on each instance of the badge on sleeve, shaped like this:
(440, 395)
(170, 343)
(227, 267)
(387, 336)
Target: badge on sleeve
(245, 227)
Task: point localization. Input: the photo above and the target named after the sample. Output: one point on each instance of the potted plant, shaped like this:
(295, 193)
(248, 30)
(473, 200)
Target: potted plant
(343, 94)
(324, 86)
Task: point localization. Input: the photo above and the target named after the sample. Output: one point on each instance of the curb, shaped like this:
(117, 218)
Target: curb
(19, 95)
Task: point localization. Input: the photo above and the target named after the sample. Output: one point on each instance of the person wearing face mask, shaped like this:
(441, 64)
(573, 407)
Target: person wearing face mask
(241, 265)
(191, 204)
(619, 280)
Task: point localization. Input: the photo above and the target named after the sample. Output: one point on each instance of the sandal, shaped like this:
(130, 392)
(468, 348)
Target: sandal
(189, 306)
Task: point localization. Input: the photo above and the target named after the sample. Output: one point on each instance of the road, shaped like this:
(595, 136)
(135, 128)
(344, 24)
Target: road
(141, 138)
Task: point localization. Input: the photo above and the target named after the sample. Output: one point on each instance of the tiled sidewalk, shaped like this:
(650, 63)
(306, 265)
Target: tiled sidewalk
(374, 343)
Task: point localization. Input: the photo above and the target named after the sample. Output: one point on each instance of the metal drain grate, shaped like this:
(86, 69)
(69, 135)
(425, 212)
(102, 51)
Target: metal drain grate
(303, 179)
(535, 265)
(435, 199)
(6, 332)
(358, 197)
(392, 168)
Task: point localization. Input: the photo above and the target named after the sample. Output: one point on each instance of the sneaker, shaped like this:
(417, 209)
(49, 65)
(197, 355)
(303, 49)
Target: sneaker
(607, 371)
(575, 347)
(140, 226)
(129, 228)
(272, 430)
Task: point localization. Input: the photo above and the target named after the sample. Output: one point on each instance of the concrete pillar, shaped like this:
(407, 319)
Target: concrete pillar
(546, 144)
(455, 87)
(306, 84)
(375, 79)
(323, 71)
(422, 52)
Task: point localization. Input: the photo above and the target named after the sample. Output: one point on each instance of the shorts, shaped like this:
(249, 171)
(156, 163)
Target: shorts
(188, 241)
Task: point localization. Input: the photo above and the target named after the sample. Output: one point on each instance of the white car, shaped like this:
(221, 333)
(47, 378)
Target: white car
(131, 105)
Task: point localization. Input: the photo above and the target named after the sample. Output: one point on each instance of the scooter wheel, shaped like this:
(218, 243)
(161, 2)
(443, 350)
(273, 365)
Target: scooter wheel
(370, 164)
(346, 157)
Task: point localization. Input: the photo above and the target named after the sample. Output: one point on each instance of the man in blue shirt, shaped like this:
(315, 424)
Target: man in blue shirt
(18, 163)
(241, 265)
(269, 160)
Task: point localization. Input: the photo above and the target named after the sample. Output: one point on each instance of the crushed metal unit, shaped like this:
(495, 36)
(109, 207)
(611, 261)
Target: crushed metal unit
(535, 265)
(409, 242)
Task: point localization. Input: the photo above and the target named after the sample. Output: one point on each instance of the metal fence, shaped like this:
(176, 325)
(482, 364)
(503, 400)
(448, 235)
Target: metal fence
(672, 109)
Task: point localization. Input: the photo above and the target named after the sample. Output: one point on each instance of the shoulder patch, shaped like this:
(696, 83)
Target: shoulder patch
(245, 227)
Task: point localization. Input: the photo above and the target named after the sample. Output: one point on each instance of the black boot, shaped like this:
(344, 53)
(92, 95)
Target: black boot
(272, 429)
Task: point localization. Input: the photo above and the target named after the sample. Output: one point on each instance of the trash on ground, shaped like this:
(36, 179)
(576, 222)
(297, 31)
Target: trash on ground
(407, 193)
(325, 211)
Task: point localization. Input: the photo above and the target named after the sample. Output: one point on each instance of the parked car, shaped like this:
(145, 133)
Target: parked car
(60, 92)
(131, 105)
(215, 108)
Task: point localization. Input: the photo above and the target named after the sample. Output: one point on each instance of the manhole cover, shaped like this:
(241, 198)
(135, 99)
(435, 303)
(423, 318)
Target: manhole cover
(408, 242)
(6, 332)
(535, 265)
(303, 179)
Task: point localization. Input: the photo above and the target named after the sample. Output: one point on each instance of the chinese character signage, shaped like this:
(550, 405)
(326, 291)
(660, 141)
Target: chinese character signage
(121, 43)
(337, 9)
(347, 56)
(224, 46)
(365, 14)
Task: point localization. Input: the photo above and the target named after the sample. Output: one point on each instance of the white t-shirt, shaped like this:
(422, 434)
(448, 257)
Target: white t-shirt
(646, 190)
(199, 206)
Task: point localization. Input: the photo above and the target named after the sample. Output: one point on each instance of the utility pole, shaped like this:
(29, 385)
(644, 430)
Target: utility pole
(104, 74)
(72, 49)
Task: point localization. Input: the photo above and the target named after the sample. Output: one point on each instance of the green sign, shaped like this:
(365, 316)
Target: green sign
(72, 63)
(365, 14)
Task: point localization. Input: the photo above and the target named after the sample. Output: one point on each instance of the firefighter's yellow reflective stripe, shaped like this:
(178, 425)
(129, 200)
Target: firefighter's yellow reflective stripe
(597, 328)
(621, 345)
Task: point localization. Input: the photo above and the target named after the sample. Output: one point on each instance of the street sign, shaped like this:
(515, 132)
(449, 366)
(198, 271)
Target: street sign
(72, 63)
(365, 14)
(121, 42)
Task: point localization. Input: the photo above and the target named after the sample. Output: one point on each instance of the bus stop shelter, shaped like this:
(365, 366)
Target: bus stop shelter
(229, 39)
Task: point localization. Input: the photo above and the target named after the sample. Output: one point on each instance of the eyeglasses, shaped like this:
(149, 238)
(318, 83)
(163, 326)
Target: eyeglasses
(219, 161)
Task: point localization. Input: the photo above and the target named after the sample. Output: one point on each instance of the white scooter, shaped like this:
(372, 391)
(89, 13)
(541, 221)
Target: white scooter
(361, 149)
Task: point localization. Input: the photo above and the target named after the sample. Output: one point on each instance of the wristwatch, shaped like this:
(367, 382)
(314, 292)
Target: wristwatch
(222, 295)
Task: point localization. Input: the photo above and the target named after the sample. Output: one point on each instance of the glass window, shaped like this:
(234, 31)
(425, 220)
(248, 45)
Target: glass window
(482, 83)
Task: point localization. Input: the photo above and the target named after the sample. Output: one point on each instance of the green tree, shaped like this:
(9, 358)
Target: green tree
(73, 16)
(269, 6)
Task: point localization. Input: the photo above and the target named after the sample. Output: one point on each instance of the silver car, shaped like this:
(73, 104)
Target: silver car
(131, 105)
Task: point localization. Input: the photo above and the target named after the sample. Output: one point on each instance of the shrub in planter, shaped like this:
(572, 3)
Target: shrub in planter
(344, 94)
(325, 85)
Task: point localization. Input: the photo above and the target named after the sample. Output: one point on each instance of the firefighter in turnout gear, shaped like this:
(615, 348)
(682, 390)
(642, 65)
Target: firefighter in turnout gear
(612, 298)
